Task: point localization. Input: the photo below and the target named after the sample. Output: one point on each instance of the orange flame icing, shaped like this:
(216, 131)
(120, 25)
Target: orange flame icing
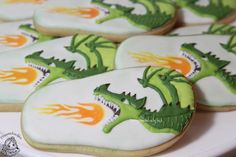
(178, 63)
(25, 1)
(88, 13)
(20, 76)
(80, 112)
(13, 40)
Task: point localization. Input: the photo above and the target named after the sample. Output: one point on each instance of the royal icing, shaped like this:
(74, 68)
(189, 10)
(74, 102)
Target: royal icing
(218, 29)
(211, 67)
(24, 70)
(110, 110)
(119, 17)
(15, 35)
(13, 10)
(205, 11)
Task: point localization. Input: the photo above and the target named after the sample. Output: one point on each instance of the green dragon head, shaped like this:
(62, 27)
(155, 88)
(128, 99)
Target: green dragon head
(172, 117)
(124, 106)
(206, 64)
(215, 9)
(51, 68)
(209, 64)
(36, 36)
(98, 52)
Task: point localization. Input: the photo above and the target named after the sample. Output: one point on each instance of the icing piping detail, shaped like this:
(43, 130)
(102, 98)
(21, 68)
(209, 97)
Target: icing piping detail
(231, 45)
(153, 18)
(171, 118)
(88, 13)
(221, 29)
(23, 38)
(25, 1)
(12, 40)
(216, 9)
(98, 52)
(34, 34)
(20, 76)
(178, 63)
(83, 113)
(211, 65)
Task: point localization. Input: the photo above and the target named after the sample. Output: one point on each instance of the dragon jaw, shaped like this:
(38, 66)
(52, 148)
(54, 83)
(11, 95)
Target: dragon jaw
(209, 63)
(44, 70)
(122, 108)
(195, 62)
(49, 70)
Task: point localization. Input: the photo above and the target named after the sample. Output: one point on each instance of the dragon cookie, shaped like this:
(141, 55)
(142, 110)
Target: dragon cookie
(113, 19)
(14, 10)
(218, 29)
(206, 11)
(208, 61)
(31, 68)
(131, 112)
(14, 35)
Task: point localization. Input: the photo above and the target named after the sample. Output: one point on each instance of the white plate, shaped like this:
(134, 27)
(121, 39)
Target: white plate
(211, 134)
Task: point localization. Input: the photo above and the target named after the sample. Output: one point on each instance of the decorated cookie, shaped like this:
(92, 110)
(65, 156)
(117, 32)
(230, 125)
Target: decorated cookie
(16, 35)
(113, 19)
(14, 10)
(24, 70)
(207, 11)
(218, 29)
(208, 61)
(131, 112)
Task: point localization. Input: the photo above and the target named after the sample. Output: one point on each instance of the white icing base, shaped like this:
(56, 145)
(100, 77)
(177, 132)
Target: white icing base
(190, 30)
(212, 92)
(18, 11)
(12, 93)
(12, 28)
(189, 17)
(119, 26)
(193, 30)
(128, 135)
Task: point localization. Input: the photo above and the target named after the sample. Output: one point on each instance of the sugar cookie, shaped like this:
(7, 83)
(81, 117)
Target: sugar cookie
(218, 29)
(209, 62)
(114, 19)
(131, 112)
(14, 10)
(14, 35)
(24, 70)
(206, 11)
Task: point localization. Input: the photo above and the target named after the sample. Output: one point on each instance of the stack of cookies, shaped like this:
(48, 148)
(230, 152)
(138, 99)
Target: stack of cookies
(115, 77)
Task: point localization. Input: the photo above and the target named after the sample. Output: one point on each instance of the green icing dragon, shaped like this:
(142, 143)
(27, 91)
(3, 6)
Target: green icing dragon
(174, 90)
(98, 52)
(34, 34)
(210, 65)
(231, 45)
(216, 9)
(157, 13)
(221, 29)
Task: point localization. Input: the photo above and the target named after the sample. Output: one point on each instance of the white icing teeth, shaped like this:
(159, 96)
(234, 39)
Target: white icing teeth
(44, 70)
(112, 106)
(41, 79)
(196, 64)
(111, 119)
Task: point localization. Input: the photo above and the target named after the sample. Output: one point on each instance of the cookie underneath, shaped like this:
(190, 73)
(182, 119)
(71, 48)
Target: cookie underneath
(113, 20)
(103, 116)
(11, 107)
(116, 38)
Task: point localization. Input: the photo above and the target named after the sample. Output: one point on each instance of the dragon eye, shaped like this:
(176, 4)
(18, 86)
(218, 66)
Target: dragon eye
(122, 99)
